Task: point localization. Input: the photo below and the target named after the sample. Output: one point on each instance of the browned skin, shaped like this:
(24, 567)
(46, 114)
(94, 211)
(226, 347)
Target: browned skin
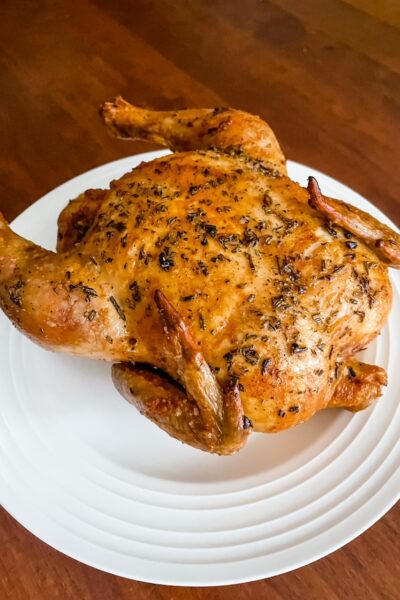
(233, 131)
(77, 217)
(211, 266)
(383, 240)
(361, 387)
(171, 408)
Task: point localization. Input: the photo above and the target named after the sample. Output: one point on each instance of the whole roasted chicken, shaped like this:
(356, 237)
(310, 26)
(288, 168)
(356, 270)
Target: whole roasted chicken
(229, 298)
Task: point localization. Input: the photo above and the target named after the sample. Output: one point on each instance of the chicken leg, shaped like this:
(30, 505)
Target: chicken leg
(224, 129)
(59, 300)
(359, 385)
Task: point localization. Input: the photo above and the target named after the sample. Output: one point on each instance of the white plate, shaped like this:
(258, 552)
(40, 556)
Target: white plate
(86, 473)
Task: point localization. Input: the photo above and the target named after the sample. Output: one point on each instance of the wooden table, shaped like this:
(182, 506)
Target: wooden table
(324, 74)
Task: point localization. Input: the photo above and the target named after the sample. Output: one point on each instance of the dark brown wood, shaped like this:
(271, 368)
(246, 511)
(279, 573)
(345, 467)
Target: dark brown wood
(325, 75)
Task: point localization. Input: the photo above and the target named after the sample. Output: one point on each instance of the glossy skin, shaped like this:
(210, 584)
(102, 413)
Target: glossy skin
(216, 268)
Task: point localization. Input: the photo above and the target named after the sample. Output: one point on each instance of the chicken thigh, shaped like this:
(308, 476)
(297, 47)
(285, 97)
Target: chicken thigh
(229, 298)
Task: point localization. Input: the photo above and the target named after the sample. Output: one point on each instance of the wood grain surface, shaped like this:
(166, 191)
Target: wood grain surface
(323, 73)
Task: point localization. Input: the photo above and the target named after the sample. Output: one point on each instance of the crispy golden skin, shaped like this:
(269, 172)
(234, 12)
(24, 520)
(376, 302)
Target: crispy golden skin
(77, 217)
(211, 265)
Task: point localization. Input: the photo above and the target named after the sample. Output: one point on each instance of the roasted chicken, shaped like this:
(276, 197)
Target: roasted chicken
(228, 298)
